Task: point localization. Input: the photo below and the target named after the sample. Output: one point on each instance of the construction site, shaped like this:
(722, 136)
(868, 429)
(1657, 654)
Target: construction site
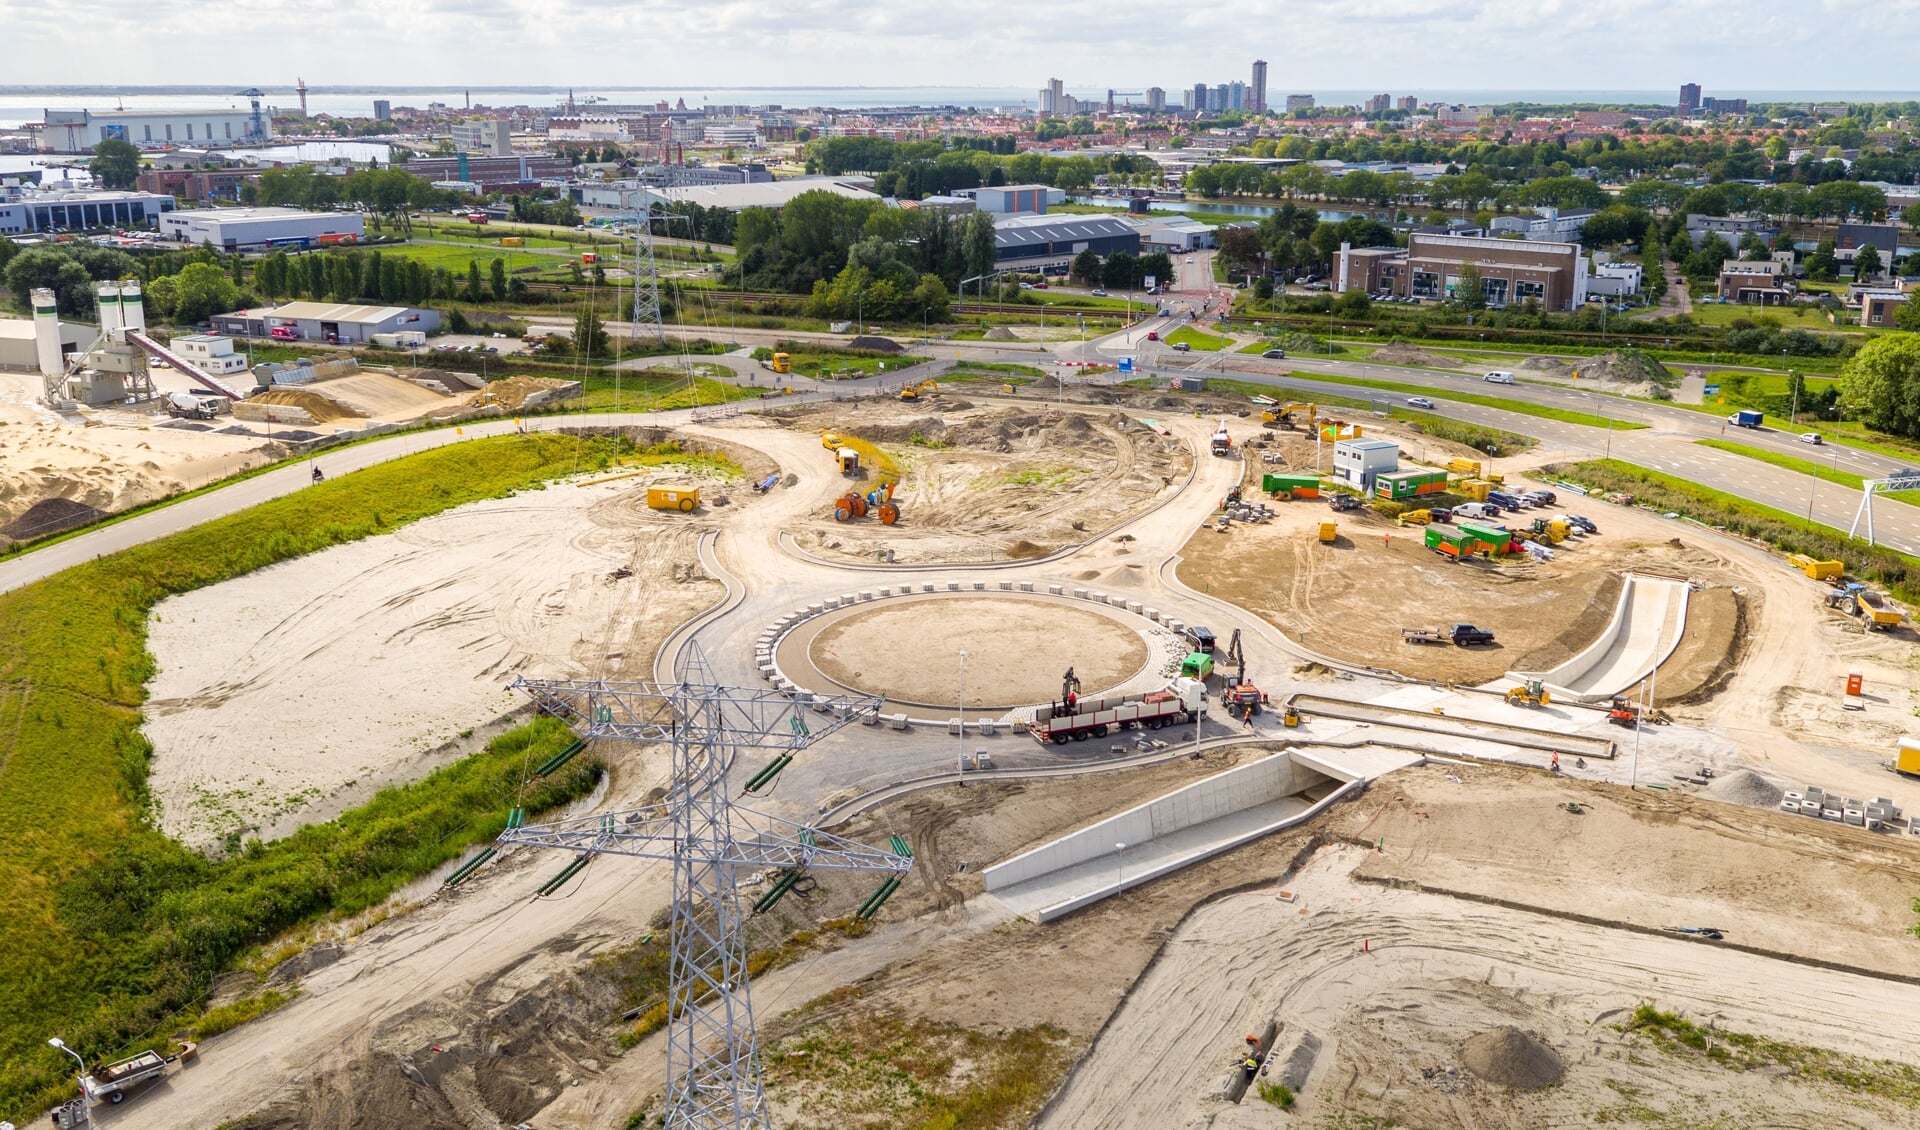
(1111, 758)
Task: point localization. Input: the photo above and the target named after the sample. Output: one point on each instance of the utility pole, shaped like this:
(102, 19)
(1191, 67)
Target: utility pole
(714, 845)
(960, 757)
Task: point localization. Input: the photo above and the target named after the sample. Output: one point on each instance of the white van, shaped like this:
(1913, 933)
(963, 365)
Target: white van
(1474, 510)
(1500, 377)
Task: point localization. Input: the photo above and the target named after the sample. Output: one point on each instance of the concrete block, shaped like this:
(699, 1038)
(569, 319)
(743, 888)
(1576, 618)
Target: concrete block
(886, 590)
(986, 726)
(1096, 595)
(871, 719)
(955, 726)
(1117, 601)
(846, 598)
(1176, 625)
(866, 594)
(768, 671)
(1055, 590)
(1854, 816)
(926, 588)
(1006, 586)
(832, 602)
(1026, 586)
(1152, 614)
(1135, 607)
(953, 586)
(815, 608)
(979, 586)
(899, 721)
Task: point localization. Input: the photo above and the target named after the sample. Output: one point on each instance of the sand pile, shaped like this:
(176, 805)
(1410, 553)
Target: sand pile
(1400, 353)
(48, 517)
(380, 395)
(875, 344)
(450, 379)
(1512, 1058)
(1550, 366)
(1630, 372)
(514, 392)
(1023, 550)
(999, 333)
(1744, 786)
(319, 407)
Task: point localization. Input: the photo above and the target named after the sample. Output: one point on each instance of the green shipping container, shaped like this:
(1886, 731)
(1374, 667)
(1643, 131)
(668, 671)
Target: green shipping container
(1305, 486)
(1409, 484)
(1496, 540)
(1447, 539)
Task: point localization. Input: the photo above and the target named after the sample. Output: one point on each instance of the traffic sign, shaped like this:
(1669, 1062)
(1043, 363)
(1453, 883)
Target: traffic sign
(1126, 364)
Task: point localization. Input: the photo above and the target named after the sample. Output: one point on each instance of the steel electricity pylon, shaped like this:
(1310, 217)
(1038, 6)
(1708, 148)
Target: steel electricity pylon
(713, 1054)
(647, 316)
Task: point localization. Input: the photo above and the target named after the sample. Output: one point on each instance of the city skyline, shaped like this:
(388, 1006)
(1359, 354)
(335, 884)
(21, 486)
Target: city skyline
(1417, 42)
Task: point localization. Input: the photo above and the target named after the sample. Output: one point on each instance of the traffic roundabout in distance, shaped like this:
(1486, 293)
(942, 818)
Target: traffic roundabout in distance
(906, 641)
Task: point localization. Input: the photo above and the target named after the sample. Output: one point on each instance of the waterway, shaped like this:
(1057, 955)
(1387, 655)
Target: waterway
(1212, 207)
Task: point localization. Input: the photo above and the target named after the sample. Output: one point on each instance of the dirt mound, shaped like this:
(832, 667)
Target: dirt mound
(1633, 372)
(514, 392)
(379, 394)
(47, 517)
(1024, 550)
(1744, 786)
(449, 379)
(1399, 353)
(1512, 1058)
(999, 333)
(875, 344)
(1551, 366)
(319, 407)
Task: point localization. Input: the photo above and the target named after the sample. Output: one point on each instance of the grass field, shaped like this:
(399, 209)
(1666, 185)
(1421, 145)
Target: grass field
(111, 932)
(654, 390)
(1198, 340)
(1788, 317)
(1542, 411)
(435, 256)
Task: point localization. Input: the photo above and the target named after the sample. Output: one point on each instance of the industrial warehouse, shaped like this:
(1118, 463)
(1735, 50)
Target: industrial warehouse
(251, 229)
(333, 323)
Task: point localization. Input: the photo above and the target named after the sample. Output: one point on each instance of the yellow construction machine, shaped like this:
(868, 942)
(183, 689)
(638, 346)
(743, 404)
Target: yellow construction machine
(1281, 415)
(916, 391)
(1530, 693)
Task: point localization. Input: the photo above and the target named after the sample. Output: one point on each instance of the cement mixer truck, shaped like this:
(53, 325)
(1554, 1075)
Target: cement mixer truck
(196, 406)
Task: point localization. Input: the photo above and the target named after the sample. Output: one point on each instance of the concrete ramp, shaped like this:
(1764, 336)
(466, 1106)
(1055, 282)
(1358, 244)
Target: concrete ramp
(1645, 629)
(1162, 836)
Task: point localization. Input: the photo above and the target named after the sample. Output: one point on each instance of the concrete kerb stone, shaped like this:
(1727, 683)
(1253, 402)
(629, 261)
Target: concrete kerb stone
(1054, 590)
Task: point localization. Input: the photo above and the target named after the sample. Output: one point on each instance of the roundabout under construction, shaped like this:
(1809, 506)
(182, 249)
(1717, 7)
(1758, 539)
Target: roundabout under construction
(972, 803)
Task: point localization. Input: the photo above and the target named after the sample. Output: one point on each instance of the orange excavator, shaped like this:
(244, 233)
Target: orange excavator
(879, 501)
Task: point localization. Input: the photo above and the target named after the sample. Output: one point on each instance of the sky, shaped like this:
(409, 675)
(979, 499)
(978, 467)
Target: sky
(1734, 45)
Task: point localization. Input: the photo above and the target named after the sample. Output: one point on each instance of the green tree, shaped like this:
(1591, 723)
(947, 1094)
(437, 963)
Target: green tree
(1907, 317)
(115, 163)
(1086, 268)
(589, 335)
(1880, 385)
(204, 290)
(497, 273)
(44, 267)
(1866, 262)
(162, 297)
(474, 293)
(1468, 289)
(978, 251)
(1776, 148)
(1821, 265)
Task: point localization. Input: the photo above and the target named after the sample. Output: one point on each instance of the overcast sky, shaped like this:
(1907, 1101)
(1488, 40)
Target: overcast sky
(1394, 45)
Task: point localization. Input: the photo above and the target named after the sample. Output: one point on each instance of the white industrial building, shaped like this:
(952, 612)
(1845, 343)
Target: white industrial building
(210, 353)
(1172, 234)
(764, 194)
(335, 323)
(492, 136)
(1357, 461)
(25, 210)
(234, 229)
(17, 348)
(78, 131)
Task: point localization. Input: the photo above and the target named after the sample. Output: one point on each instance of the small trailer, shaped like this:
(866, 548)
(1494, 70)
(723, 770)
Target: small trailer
(1076, 720)
(112, 1082)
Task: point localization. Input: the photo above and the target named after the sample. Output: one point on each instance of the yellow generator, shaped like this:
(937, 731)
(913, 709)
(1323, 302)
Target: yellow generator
(1466, 467)
(1329, 531)
(1907, 760)
(683, 499)
(1475, 489)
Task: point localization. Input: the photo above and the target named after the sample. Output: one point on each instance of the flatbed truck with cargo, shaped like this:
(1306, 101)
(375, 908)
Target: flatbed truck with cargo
(1463, 635)
(1078, 719)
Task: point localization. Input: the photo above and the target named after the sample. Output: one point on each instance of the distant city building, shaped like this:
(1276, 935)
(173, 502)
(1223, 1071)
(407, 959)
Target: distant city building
(1197, 100)
(382, 110)
(196, 184)
(22, 210)
(1379, 104)
(1051, 96)
(1407, 103)
(1156, 99)
(493, 174)
(1689, 98)
(342, 323)
(1462, 115)
(1299, 102)
(1052, 241)
(1766, 282)
(236, 229)
(1884, 238)
(1724, 105)
(78, 131)
(1014, 198)
(491, 136)
(1511, 271)
(1257, 92)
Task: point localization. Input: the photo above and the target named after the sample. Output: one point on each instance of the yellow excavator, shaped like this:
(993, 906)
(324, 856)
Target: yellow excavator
(915, 392)
(1281, 415)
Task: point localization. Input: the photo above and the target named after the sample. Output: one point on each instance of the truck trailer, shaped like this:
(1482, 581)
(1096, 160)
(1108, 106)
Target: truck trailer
(1077, 719)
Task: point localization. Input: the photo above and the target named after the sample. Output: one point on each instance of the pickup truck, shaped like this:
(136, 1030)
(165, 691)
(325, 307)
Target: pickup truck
(1463, 635)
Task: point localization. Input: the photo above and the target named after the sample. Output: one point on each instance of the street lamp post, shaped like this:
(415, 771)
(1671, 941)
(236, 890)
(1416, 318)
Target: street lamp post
(79, 1076)
(1120, 873)
(1491, 450)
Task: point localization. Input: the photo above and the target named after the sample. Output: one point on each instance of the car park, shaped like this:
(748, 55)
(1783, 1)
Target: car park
(1419, 402)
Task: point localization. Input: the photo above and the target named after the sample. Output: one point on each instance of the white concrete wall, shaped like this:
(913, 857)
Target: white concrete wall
(1645, 628)
(1242, 787)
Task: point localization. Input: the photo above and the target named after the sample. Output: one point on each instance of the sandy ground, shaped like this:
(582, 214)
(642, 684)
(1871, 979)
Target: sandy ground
(1332, 599)
(271, 710)
(105, 468)
(911, 651)
(1437, 969)
(993, 483)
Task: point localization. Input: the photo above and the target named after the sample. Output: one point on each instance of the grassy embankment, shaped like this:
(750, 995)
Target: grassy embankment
(111, 932)
(1198, 340)
(826, 363)
(1524, 408)
(1825, 472)
(1789, 533)
(1476, 436)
